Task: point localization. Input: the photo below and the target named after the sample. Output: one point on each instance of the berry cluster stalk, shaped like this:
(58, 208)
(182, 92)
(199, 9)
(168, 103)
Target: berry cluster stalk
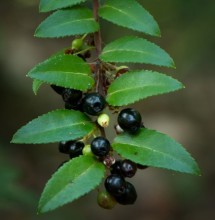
(98, 46)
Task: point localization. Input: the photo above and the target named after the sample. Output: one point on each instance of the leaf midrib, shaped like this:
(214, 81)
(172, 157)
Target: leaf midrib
(60, 127)
(59, 72)
(65, 186)
(135, 88)
(126, 50)
(70, 22)
(158, 152)
(123, 12)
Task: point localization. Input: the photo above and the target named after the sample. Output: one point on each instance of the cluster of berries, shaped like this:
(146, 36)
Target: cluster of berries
(118, 190)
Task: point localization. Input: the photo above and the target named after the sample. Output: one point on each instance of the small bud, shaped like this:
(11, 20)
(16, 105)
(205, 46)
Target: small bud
(118, 129)
(108, 161)
(87, 150)
(103, 120)
(77, 44)
(120, 70)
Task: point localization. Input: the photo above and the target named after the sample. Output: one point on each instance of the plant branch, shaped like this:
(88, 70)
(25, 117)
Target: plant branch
(98, 46)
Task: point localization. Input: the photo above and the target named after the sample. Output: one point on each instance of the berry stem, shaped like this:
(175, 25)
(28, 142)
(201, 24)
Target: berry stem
(98, 46)
(97, 35)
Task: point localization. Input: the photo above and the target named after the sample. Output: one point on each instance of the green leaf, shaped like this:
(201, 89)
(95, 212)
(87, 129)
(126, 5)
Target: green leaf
(64, 70)
(129, 14)
(155, 149)
(131, 49)
(36, 85)
(67, 22)
(50, 5)
(55, 126)
(135, 85)
(71, 181)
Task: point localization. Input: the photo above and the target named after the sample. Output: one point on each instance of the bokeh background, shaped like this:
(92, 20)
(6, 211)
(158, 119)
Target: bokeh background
(188, 34)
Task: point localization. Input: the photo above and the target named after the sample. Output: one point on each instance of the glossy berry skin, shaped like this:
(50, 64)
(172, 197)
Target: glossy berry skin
(63, 146)
(115, 185)
(75, 149)
(93, 103)
(100, 146)
(116, 167)
(128, 168)
(105, 200)
(130, 120)
(71, 96)
(128, 197)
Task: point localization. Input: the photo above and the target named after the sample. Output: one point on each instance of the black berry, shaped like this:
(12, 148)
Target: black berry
(128, 168)
(128, 197)
(75, 149)
(129, 120)
(71, 96)
(115, 185)
(58, 89)
(93, 103)
(100, 146)
(116, 167)
(63, 146)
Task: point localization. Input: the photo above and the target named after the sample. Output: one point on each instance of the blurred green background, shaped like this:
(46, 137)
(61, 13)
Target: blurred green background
(188, 34)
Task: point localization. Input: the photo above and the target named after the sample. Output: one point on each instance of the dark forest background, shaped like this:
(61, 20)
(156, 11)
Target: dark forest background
(188, 34)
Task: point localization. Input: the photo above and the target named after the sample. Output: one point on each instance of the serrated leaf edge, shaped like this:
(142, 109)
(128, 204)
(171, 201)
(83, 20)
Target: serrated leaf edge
(68, 6)
(30, 122)
(197, 172)
(160, 93)
(66, 35)
(121, 25)
(58, 56)
(104, 51)
(50, 180)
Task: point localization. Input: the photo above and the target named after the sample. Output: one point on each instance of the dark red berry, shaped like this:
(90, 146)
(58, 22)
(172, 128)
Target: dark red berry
(58, 89)
(128, 197)
(130, 120)
(93, 103)
(100, 146)
(115, 185)
(128, 168)
(71, 96)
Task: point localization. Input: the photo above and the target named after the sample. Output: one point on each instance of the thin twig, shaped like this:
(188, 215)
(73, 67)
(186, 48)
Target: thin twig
(98, 45)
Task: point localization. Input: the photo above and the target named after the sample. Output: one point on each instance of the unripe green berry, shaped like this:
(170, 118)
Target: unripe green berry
(105, 200)
(103, 120)
(77, 44)
(87, 150)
